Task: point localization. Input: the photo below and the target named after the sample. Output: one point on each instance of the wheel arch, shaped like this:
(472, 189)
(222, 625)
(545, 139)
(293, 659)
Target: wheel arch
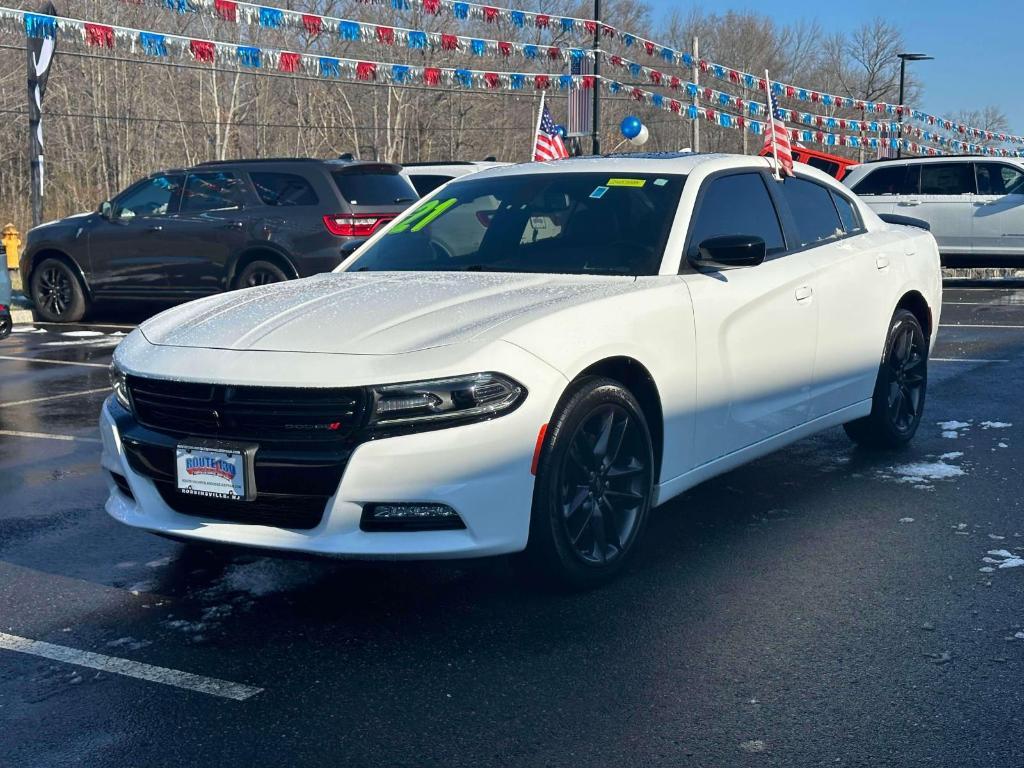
(635, 377)
(47, 252)
(915, 303)
(262, 252)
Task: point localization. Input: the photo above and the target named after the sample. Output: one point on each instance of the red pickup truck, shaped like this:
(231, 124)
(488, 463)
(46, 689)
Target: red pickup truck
(833, 165)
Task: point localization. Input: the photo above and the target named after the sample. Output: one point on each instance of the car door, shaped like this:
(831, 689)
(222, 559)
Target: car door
(210, 228)
(884, 184)
(850, 279)
(128, 252)
(756, 327)
(946, 202)
(997, 226)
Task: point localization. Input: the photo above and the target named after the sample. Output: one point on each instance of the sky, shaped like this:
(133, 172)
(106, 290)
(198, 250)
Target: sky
(976, 45)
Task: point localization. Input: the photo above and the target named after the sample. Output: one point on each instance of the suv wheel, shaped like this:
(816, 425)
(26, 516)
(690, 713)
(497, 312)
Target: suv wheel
(594, 487)
(57, 292)
(259, 273)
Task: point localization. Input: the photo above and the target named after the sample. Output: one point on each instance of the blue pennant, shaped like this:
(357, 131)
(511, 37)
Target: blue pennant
(460, 10)
(329, 67)
(478, 47)
(399, 73)
(248, 56)
(153, 44)
(518, 18)
(348, 30)
(417, 39)
(271, 17)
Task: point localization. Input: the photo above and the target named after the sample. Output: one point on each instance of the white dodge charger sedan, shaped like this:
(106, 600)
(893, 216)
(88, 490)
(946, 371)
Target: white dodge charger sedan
(527, 362)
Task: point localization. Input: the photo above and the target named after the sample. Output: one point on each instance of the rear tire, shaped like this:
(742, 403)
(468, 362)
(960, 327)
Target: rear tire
(6, 325)
(900, 389)
(57, 293)
(258, 273)
(594, 486)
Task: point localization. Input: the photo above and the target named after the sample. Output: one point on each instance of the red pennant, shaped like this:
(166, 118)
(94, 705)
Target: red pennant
(432, 76)
(432, 6)
(366, 70)
(590, 26)
(709, 114)
(704, 66)
(504, 48)
(449, 43)
(543, 20)
(554, 53)
(99, 35)
(226, 9)
(741, 121)
(491, 80)
(674, 83)
(708, 94)
(386, 35)
(289, 62)
(490, 13)
(637, 94)
(314, 24)
(588, 82)
(790, 92)
(734, 76)
(541, 82)
(674, 105)
(656, 77)
(607, 31)
(202, 50)
(616, 60)
(815, 96)
(649, 47)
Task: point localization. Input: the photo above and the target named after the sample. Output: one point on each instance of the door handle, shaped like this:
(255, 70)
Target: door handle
(156, 228)
(909, 202)
(882, 262)
(803, 293)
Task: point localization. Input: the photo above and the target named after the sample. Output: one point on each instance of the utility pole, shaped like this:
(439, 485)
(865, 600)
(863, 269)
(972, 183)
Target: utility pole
(595, 139)
(695, 144)
(904, 58)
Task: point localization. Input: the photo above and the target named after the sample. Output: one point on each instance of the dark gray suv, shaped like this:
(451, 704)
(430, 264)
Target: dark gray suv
(182, 234)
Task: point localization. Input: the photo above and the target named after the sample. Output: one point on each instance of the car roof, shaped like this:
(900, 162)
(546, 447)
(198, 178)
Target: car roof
(634, 162)
(882, 161)
(332, 164)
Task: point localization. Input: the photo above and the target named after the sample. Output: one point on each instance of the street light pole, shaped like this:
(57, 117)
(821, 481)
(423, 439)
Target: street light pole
(904, 58)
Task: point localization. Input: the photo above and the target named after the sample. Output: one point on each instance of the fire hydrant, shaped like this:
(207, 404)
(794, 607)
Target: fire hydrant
(12, 244)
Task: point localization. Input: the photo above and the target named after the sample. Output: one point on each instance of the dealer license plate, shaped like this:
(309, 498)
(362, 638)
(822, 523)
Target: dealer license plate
(215, 471)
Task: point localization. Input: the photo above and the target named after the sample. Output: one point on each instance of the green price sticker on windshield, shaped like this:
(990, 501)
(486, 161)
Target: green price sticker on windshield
(423, 215)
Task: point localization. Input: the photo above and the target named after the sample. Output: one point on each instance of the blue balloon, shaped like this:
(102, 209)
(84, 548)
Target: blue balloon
(561, 130)
(631, 126)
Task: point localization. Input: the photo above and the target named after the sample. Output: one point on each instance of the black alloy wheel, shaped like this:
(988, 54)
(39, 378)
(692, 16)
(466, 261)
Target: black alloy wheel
(259, 273)
(900, 388)
(6, 326)
(57, 293)
(594, 487)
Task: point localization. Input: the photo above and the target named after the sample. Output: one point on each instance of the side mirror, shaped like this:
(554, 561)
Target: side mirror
(106, 210)
(730, 251)
(351, 246)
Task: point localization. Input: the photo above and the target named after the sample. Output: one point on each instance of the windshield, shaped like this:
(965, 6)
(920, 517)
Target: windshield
(563, 223)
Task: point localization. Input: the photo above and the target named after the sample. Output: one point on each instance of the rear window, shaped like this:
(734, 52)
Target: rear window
(829, 167)
(425, 184)
(283, 189)
(374, 185)
(813, 211)
(889, 180)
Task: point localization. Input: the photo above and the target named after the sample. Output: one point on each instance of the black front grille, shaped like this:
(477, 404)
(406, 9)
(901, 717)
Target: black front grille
(280, 511)
(269, 415)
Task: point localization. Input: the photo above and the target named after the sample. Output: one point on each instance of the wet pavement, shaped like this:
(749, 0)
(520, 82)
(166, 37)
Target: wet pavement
(819, 606)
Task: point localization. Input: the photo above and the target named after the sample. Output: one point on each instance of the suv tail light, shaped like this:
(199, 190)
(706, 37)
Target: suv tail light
(355, 225)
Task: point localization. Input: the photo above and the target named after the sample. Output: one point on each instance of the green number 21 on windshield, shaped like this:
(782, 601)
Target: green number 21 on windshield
(423, 215)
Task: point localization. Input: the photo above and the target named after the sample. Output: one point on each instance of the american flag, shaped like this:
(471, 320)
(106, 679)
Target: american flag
(549, 145)
(777, 138)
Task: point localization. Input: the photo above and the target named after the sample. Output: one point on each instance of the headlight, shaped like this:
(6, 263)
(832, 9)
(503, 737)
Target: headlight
(120, 386)
(462, 398)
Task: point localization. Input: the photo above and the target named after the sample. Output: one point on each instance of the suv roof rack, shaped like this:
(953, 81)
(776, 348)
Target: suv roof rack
(247, 161)
(928, 157)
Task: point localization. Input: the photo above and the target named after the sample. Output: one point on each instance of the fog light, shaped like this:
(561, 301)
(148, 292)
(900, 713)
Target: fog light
(410, 517)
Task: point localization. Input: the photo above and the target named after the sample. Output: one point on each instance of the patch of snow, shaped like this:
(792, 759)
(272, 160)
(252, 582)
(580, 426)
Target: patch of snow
(999, 553)
(129, 642)
(987, 569)
(1006, 559)
(951, 455)
(265, 576)
(27, 329)
(82, 334)
(950, 434)
(160, 562)
(950, 425)
(995, 424)
(140, 587)
(185, 626)
(996, 537)
(1019, 635)
(906, 519)
(922, 473)
(1003, 445)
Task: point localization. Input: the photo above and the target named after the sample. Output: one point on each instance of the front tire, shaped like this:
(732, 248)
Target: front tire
(57, 293)
(594, 486)
(900, 389)
(259, 273)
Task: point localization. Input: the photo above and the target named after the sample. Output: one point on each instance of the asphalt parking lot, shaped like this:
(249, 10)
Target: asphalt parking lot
(822, 606)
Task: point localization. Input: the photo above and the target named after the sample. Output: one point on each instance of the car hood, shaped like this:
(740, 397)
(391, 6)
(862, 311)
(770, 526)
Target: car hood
(372, 312)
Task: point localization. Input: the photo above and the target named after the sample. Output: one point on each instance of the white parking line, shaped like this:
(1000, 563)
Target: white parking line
(983, 325)
(54, 397)
(210, 685)
(964, 360)
(53, 362)
(46, 436)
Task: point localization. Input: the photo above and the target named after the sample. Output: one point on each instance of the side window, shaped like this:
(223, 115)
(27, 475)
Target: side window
(848, 214)
(425, 184)
(947, 178)
(889, 180)
(999, 179)
(212, 192)
(736, 205)
(156, 196)
(822, 164)
(283, 189)
(813, 211)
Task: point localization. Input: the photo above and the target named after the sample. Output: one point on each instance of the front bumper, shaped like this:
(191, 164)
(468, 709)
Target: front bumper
(481, 470)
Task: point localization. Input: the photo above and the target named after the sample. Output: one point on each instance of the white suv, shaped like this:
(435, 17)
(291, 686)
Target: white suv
(974, 205)
(427, 177)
